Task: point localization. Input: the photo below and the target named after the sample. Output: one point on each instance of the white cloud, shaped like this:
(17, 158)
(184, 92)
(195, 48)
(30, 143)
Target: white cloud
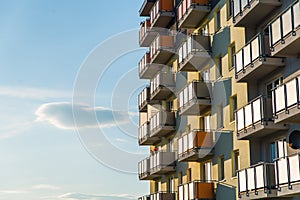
(32, 93)
(61, 115)
(45, 187)
(80, 196)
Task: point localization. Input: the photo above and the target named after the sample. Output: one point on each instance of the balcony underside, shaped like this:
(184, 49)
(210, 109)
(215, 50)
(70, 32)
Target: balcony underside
(193, 17)
(163, 19)
(258, 10)
(149, 141)
(195, 107)
(146, 8)
(195, 155)
(292, 115)
(261, 194)
(162, 131)
(162, 93)
(285, 190)
(148, 38)
(162, 56)
(290, 46)
(196, 61)
(150, 71)
(260, 68)
(163, 170)
(260, 130)
(149, 176)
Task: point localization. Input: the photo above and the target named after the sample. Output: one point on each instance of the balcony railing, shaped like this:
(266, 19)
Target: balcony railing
(144, 169)
(146, 197)
(288, 175)
(285, 32)
(162, 86)
(192, 12)
(162, 162)
(163, 196)
(256, 120)
(162, 123)
(196, 190)
(162, 49)
(253, 61)
(146, 35)
(256, 182)
(146, 8)
(195, 145)
(286, 102)
(195, 98)
(194, 53)
(162, 13)
(144, 98)
(144, 135)
(244, 11)
(147, 70)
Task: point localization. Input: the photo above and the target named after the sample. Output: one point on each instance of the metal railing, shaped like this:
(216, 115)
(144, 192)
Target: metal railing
(192, 190)
(185, 5)
(144, 132)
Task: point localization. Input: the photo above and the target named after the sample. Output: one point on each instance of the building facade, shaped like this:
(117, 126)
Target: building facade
(221, 113)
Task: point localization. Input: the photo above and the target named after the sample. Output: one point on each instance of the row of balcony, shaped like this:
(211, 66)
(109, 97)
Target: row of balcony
(192, 146)
(264, 115)
(267, 180)
(188, 191)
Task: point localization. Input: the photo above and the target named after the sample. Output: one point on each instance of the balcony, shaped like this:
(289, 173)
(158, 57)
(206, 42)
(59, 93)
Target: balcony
(195, 98)
(162, 13)
(144, 170)
(244, 11)
(192, 12)
(253, 61)
(162, 49)
(144, 98)
(255, 119)
(285, 32)
(196, 190)
(162, 123)
(161, 163)
(147, 70)
(146, 35)
(146, 197)
(195, 145)
(144, 135)
(257, 182)
(286, 103)
(162, 86)
(163, 196)
(146, 8)
(287, 172)
(194, 53)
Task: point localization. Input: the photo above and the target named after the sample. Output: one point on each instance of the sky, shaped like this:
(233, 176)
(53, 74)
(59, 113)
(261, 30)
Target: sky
(68, 100)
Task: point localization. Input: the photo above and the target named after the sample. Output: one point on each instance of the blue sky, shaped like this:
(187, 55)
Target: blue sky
(44, 47)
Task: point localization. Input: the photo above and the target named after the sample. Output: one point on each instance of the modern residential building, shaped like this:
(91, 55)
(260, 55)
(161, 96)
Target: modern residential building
(221, 113)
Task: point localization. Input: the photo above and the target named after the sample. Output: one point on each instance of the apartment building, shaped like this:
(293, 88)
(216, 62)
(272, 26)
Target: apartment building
(221, 113)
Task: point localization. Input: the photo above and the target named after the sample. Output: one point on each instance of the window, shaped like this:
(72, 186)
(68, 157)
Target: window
(221, 168)
(231, 52)
(236, 163)
(171, 105)
(233, 106)
(171, 184)
(179, 178)
(207, 171)
(206, 75)
(218, 62)
(229, 7)
(205, 30)
(189, 175)
(220, 123)
(171, 145)
(273, 84)
(278, 149)
(217, 20)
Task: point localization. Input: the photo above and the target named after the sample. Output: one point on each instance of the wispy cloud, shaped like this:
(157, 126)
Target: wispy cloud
(33, 93)
(80, 196)
(61, 115)
(45, 187)
(13, 192)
